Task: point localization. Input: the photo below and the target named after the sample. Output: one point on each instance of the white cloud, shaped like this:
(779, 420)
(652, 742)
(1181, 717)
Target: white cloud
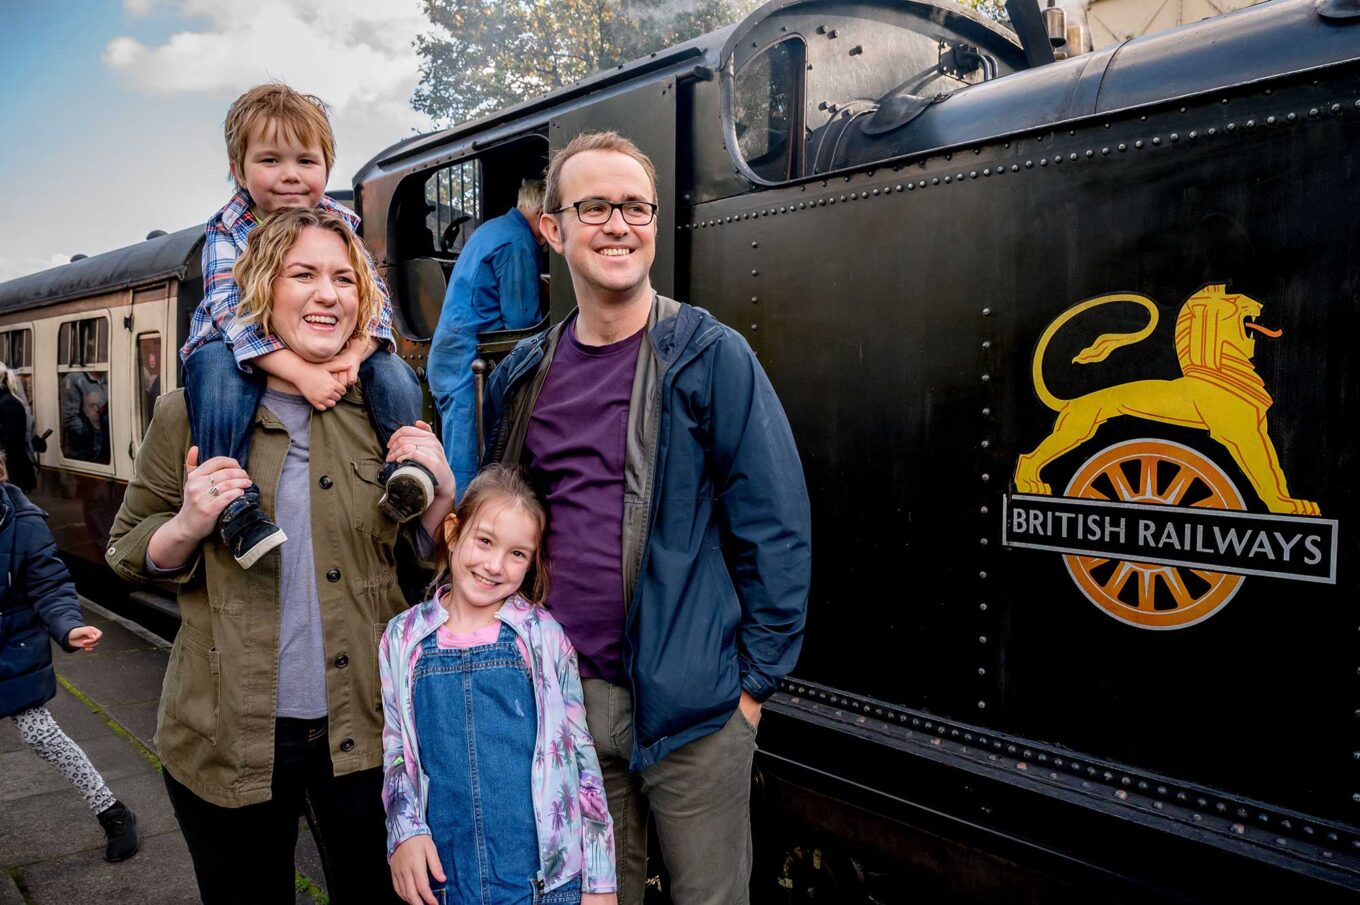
(11, 267)
(356, 55)
(137, 8)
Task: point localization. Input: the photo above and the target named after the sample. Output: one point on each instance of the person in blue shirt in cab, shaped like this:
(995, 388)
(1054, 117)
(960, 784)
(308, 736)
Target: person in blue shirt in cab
(495, 286)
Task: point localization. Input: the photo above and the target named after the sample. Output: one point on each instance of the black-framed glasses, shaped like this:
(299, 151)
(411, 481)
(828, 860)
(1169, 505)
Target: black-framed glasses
(597, 211)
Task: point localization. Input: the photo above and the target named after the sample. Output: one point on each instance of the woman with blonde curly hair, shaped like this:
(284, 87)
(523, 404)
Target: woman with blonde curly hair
(271, 702)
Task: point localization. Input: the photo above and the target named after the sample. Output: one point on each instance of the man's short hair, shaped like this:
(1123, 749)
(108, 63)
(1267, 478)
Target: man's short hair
(530, 201)
(591, 141)
(303, 118)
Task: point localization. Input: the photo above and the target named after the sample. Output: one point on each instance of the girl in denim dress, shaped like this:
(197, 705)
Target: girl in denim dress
(492, 788)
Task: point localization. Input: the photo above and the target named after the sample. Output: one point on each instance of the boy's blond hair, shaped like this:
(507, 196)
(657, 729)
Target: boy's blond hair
(303, 118)
(591, 141)
(262, 263)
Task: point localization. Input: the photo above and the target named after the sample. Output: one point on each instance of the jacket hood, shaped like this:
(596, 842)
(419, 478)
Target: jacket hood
(13, 504)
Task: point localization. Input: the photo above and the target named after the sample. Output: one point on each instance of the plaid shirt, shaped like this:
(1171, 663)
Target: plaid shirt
(215, 318)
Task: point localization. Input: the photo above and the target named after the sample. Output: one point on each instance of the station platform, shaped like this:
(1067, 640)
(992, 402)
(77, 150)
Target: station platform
(51, 846)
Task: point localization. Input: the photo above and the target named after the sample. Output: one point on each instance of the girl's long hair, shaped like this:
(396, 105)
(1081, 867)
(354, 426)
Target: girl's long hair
(496, 484)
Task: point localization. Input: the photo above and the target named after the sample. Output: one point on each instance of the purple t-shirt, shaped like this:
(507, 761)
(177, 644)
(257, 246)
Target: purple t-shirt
(575, 453)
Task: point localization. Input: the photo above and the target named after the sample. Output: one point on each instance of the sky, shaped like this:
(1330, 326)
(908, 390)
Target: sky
(113, 109)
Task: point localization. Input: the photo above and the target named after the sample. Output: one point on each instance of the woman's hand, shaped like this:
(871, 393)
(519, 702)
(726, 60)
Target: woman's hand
(85, 637)
(418, 443)
(413, 863)
(208, 488)
(599, 898)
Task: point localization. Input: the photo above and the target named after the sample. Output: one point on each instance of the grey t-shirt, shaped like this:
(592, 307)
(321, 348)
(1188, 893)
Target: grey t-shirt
(302, 649)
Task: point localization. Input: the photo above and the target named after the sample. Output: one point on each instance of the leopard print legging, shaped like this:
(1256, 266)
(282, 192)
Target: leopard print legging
(44, 736)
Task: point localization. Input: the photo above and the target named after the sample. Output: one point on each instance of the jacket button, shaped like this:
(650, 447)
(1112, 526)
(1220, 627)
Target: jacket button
(347, 745)
(326, 482)
(342, 661)
(333, 575)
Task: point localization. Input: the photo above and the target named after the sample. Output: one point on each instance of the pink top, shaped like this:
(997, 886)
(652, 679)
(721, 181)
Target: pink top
(447, 639)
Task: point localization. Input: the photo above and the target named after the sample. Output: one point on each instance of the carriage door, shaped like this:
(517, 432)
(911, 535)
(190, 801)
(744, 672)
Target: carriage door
(647, 115)
(145, 329)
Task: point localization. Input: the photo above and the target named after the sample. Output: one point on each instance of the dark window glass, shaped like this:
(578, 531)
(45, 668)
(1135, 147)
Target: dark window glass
(453, 205)
(82, 364)
(148, 378)
(768, 111)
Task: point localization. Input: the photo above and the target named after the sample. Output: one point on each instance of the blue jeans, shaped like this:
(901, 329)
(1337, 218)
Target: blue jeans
(476, 722)
(222, 426)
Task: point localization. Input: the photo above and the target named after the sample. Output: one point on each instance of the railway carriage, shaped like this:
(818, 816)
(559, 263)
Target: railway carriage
(1065, 344)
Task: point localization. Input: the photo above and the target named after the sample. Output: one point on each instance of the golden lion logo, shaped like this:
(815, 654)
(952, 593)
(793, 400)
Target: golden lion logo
(1219, 391)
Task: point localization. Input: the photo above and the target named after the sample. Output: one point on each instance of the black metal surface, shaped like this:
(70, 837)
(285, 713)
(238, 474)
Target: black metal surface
(160, 258)
(897, 305)
(1029, 27)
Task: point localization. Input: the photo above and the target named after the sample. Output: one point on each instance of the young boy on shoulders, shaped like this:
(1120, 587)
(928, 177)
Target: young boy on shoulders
(281, 148)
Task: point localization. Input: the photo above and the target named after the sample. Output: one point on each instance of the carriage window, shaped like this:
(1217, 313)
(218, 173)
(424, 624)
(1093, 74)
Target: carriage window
(16, 352)
(453, 205)
(83, 370)
(148, 378)
(768, 111)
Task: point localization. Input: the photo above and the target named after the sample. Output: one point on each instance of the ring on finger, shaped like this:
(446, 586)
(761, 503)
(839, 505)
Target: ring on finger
(214, 490)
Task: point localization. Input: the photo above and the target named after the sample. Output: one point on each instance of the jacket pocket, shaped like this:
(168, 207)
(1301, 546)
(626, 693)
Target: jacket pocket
(366, 491)
(193, 683)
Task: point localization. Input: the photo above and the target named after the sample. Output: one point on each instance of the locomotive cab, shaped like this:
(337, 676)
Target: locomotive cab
(801, 78)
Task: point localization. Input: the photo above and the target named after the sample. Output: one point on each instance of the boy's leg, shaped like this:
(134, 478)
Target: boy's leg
(221, 401)
(392, 394)
(700, 796)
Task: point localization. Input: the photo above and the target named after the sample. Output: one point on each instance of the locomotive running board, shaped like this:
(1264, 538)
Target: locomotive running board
(1045, 797)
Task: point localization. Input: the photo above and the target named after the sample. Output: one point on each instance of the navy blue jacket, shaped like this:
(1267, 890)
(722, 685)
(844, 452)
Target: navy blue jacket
(716, 522)
(37, 599)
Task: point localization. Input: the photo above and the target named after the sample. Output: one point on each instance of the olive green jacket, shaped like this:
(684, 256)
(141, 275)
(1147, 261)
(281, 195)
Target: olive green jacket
(215, 728)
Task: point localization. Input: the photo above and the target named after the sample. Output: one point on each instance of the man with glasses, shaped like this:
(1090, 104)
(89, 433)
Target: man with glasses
(678, 530)
(494, 286)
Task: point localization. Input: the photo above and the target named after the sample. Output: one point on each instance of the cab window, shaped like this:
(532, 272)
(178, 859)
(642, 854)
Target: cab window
(768, 110)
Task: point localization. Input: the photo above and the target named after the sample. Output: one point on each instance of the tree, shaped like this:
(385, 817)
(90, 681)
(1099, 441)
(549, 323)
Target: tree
(484, 55)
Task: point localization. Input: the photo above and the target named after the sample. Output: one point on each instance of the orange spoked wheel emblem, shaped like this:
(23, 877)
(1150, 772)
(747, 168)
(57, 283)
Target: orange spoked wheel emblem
(1156, 472)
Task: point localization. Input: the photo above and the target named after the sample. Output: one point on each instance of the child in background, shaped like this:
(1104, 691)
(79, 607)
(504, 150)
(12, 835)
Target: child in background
(37, 599)
(281, 148)
(484, 716)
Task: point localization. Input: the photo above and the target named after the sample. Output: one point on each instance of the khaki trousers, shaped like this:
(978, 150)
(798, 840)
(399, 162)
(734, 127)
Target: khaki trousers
(699, 796)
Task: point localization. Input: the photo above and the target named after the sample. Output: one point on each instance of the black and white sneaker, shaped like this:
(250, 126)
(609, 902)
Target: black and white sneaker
(120, 829)
(249, 533)
(409, 492)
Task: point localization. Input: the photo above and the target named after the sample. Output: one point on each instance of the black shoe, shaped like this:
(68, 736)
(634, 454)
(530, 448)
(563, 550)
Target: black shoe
(248, 532)
(410, 491)
(120, 827)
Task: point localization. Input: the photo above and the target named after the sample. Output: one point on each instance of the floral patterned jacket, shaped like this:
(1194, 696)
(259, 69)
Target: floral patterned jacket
(575, 833)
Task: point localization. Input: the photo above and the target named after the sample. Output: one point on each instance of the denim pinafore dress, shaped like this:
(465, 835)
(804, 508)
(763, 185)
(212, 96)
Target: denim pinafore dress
(476, 723)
